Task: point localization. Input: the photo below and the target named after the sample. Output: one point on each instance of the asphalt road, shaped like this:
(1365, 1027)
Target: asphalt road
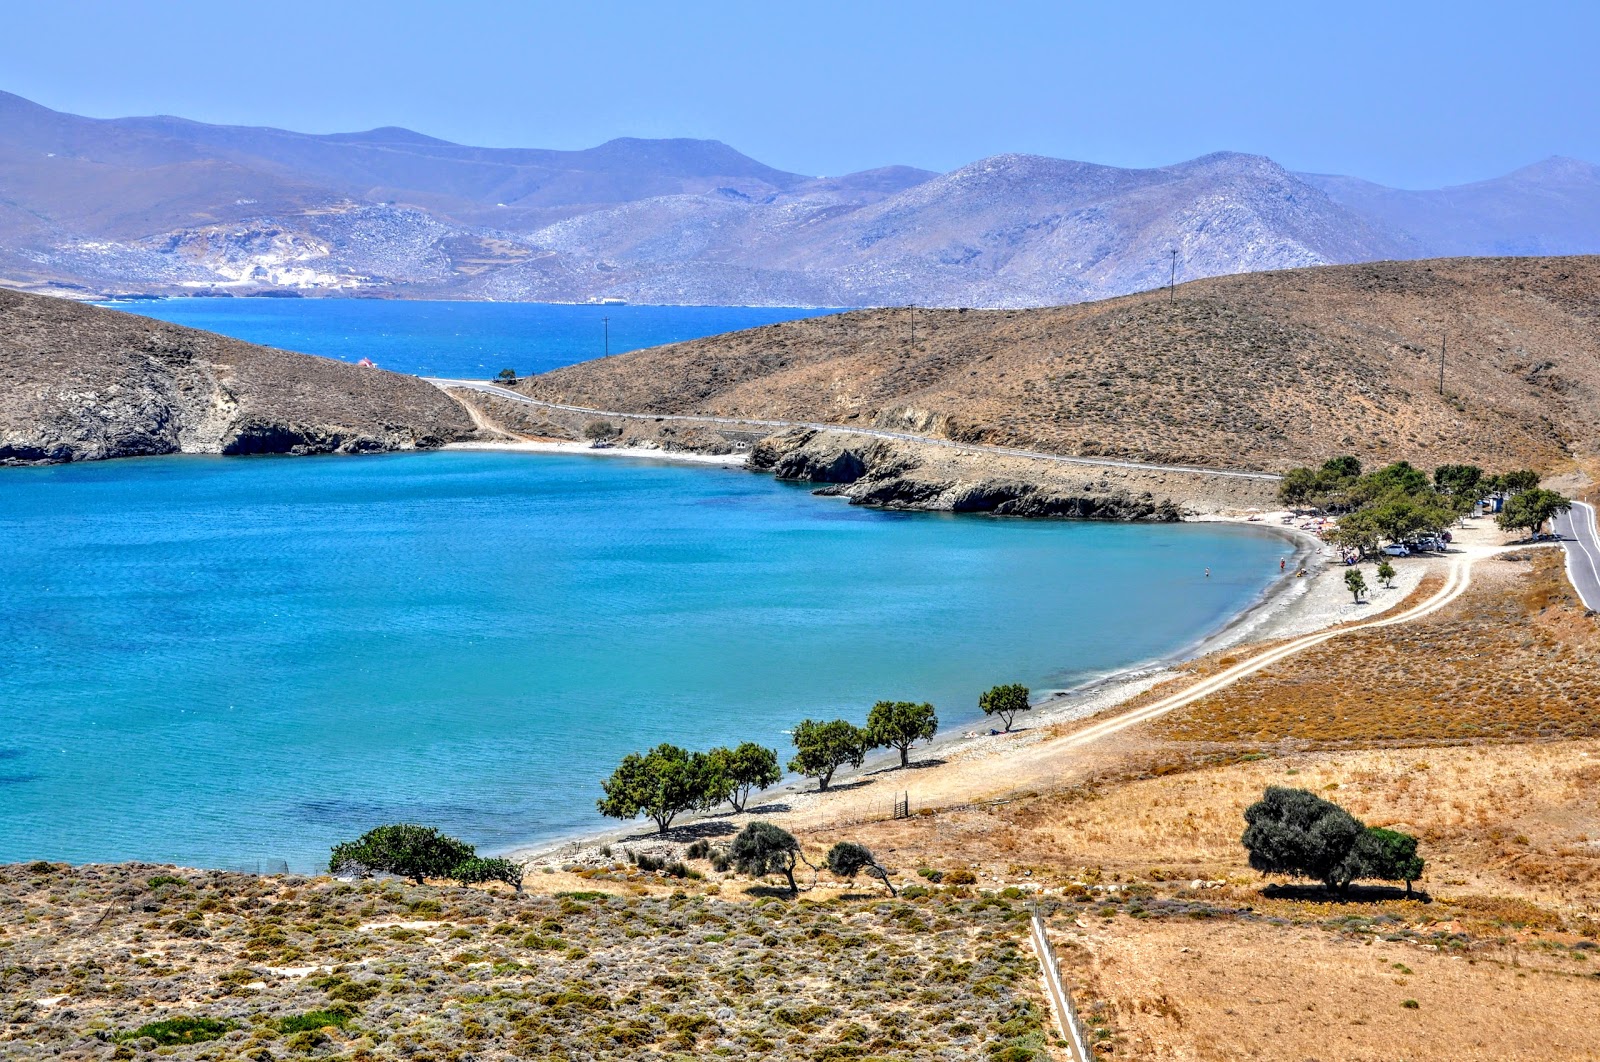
(876, 433)
(1582, 543)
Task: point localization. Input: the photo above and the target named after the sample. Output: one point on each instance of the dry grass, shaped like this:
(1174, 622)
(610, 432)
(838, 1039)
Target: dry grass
(1513, 659)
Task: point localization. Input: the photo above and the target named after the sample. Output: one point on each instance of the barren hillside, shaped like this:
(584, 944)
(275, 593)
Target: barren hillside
(1259, 371)
(80, 383)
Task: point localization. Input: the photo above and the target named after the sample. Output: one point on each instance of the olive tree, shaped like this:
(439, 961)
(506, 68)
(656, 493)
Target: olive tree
(1005, 701)
(661, 783)
(822, 748)
(1296, 832)
(1356, 583)
(403, 849)
(901, 724)
(847, 859)
(733, 774)
(1385, 571)
(761, 849)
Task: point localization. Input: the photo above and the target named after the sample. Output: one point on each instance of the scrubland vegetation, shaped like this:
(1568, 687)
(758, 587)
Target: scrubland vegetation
(118, 961)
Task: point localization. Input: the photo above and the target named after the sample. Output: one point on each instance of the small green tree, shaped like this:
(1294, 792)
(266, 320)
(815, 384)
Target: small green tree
(1458, 481)
(661, 784)
(477, 871)
(404, 849)
(1530, 509)
(1389, 855)
(507, 376)
(1005, 701)
(822, 748)
(761, 849)
(1523, 479)
(847, 859)
(1356, 583)
(1386, 572)
(733, 774)
(901, 724)
(1296, 832)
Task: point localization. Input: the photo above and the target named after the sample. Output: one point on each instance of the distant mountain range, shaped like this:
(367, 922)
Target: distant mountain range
(169, 206)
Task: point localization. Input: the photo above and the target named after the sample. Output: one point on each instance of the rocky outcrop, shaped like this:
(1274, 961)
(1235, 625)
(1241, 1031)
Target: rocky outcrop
(893, 474)
(78, 383)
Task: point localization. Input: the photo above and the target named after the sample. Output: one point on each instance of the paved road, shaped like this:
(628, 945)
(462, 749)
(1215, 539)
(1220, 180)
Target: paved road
(1578, 535)
(875, 433)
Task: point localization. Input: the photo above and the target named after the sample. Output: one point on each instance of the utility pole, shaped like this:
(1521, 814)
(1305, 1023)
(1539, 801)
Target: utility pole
(1441, 365)
(911, 315)
(606, 322)
(1172, 278)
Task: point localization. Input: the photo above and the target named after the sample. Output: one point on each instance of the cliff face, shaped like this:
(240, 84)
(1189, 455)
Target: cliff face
(78, 383)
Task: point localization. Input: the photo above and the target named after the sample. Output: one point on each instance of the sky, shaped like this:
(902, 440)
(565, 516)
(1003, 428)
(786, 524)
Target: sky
(1411, 94)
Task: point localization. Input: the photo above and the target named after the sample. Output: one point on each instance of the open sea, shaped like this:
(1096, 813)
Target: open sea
(234, 661)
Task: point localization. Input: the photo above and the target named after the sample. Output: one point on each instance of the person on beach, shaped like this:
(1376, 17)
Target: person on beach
(1282, 563)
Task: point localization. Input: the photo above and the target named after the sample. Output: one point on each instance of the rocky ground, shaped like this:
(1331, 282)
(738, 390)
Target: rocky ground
(80, 383)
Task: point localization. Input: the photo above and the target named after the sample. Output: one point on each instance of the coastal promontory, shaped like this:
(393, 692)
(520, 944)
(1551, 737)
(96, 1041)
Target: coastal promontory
(82, 383)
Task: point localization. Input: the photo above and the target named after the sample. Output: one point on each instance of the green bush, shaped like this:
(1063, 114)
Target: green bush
(336, 1016)
(411, 851)
(174, 1032)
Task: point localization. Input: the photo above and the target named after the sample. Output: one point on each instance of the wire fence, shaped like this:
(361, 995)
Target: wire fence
(1068, 1024)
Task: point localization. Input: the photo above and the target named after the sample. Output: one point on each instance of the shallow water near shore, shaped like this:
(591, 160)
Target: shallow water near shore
(220, 661)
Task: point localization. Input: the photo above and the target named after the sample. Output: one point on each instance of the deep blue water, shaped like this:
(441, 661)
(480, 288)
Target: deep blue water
(213, 661)
(458, 339)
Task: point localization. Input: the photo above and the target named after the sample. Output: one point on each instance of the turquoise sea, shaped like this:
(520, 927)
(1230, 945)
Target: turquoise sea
(226, 661)
(458, 339)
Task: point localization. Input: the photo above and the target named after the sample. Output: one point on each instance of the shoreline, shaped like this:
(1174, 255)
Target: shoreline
(553, 446)
(1272, 607)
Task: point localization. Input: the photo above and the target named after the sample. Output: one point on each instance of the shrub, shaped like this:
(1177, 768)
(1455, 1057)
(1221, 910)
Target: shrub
(1389, 855)
(960, 876)
(477, 871)
(846, 859)
(173, 1032)
(164, 879)
(600, 431)
(336, 1016)
(414, 852)
(699, 849)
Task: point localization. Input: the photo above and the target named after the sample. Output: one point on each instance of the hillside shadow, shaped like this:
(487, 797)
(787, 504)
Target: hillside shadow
(1355, 894)
(775, 808)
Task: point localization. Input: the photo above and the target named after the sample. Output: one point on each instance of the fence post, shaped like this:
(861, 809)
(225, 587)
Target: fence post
(1067, 1021)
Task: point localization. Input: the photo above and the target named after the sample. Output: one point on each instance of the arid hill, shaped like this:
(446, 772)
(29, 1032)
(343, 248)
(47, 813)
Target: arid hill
(81, 383)
(1260, 371)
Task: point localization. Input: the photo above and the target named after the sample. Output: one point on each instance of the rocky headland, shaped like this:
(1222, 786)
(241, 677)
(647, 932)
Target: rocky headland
(79, 383)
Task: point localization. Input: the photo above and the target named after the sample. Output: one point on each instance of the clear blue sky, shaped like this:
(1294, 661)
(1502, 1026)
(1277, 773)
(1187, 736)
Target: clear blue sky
(1415, 94)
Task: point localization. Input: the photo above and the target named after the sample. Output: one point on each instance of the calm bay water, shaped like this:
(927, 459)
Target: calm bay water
(217, 661)
(213, 661)
(459, 339)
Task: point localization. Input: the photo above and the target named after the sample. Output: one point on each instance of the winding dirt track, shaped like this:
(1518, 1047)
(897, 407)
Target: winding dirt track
(1458, 578)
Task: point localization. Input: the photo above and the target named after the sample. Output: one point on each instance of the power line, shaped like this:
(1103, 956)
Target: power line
(1172, 278)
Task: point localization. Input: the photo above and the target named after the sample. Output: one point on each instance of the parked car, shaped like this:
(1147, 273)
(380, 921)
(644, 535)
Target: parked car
(1432, 545)
(1397, 550)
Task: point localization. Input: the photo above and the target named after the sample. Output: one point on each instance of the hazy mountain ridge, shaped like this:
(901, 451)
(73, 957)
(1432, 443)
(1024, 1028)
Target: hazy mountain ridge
(169, 205)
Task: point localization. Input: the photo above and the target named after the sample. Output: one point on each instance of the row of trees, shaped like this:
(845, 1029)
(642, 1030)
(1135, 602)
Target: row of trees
(419, 852)
(1296, 832)
(668, 781)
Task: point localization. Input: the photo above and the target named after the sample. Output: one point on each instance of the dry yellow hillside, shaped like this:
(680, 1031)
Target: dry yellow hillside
(1260, 371)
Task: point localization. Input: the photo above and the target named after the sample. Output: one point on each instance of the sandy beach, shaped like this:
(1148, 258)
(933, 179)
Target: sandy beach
(652, 453)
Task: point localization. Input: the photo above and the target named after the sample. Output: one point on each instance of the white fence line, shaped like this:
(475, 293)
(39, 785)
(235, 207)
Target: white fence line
(1068, 1023)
